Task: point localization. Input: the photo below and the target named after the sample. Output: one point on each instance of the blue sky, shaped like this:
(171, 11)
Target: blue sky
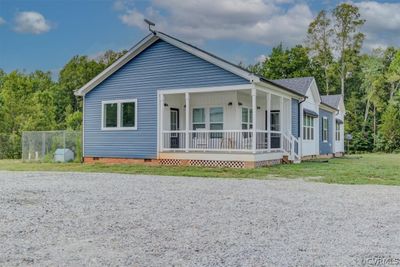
(45, 34)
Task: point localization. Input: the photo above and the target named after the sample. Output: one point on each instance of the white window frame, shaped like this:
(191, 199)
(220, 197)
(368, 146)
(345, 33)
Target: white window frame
(308, 128)
(325, 119)
(216, 135)
(249, 119)
(119, 116)
(205, 118)
(337, 136)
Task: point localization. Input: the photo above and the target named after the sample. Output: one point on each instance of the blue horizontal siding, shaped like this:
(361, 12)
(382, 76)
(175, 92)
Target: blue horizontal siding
(325, 147)
(161, 66)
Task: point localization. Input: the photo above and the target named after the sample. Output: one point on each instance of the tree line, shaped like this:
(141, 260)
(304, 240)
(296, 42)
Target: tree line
(369, 82)
(35, 102)
(332, 53)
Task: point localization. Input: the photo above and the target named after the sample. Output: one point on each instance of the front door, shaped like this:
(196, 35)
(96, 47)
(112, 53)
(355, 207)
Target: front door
(275, 126)
(174, 125)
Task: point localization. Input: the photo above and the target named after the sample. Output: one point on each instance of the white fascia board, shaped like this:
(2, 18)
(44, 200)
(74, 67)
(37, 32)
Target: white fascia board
(207, 89)
(278, 91)
(134, 51)
(207, 57)
(327, 108)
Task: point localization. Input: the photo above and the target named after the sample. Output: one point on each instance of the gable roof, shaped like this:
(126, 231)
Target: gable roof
(299, 85)
(156, 35)
(331, 100)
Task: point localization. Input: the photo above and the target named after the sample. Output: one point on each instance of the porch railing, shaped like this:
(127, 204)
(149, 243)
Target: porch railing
(224, 140)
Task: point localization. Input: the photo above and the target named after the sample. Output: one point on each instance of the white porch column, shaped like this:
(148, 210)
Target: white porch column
(187, 110)
(161, 127)
(269, 120)
(254, 107)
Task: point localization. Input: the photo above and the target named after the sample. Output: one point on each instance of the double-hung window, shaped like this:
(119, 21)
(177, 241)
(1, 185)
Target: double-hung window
(119, 115)
(199, 119)
(337, 131)
(216, 121)
(247, 120)
(308, 127)
(325, 129)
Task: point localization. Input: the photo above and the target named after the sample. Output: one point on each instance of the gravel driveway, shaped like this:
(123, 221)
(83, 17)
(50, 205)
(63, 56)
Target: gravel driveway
(110, 219)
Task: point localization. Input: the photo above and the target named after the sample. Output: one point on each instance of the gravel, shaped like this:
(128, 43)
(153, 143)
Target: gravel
(74, 219)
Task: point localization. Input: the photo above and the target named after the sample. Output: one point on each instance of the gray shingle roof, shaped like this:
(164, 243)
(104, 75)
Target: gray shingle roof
(299, 85)
(331, 100)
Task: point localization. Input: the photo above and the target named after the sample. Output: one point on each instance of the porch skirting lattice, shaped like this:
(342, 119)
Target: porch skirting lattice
(218, 163)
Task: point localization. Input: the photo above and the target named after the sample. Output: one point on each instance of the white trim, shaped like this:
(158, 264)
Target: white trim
(119, 127)
(269, 88)
(160, 121)
(208, 89)
(187, 119)
(327, 130)
(150, 39)
(269, 96)
(254, 108)
(133, 52)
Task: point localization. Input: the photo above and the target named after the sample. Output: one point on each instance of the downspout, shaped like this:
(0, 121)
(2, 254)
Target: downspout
(299, 120)
(300, 148)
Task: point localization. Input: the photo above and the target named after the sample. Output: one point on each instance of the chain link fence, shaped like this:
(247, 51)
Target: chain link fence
(52, 146)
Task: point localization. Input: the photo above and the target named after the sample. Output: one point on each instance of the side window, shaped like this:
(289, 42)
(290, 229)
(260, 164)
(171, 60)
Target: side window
(325, 129)
(119, 115)
(337, 131)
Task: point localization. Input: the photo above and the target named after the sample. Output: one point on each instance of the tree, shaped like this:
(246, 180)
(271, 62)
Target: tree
(390, 127)
(318, 40)
(287, 63)
(393, 74)
(348, 38)
(76, 73)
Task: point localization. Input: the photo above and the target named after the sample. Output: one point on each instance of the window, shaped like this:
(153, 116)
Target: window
(198, 119)
(216, 121)
(337, 131)
(119, 115)
(111, 115)
(325, 129)
(275, 121)
(247, 120)
(308, 127)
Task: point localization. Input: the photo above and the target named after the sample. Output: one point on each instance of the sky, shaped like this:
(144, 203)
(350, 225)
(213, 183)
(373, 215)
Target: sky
(45, 34)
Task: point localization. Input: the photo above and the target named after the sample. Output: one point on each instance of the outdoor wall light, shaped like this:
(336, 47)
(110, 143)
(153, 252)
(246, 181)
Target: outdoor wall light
(230, 104)
(258, 107)
(240, 103)
(165, 105)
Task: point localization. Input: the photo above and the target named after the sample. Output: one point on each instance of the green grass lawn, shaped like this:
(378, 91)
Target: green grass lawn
(357, 169)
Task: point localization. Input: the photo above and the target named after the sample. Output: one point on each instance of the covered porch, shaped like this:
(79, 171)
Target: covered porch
(226, 122)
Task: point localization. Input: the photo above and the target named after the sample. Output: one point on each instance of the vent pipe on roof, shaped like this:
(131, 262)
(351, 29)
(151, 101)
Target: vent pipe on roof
(151, 24)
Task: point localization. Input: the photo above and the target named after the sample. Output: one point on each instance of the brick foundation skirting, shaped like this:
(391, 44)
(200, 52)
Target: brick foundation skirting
(181, 162)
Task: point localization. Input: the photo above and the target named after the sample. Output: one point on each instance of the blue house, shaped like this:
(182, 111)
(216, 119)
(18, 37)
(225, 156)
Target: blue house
(168, 102)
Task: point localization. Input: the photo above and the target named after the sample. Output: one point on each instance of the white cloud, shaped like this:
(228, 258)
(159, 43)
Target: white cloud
(2, 21)
(382, 26)
(261, 58)
(31, 22)
(260, 21)
(133, 18)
